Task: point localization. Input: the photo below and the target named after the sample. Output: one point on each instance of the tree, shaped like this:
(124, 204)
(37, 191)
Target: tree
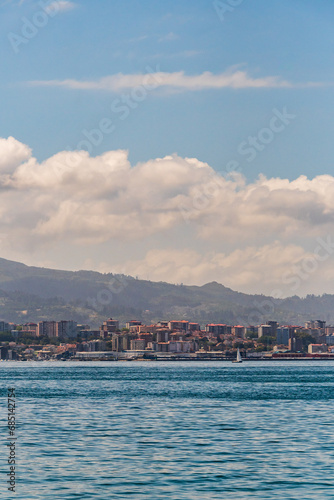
(267, 340)
(6, 337)
(251, 335)
(306, 339)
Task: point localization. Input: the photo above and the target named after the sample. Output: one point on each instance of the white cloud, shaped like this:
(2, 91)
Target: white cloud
(250, 233)
(61, 6)
(235, 79)
(13, 153)
(238, 269)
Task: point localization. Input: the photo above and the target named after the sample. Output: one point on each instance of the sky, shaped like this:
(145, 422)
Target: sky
(181, 141)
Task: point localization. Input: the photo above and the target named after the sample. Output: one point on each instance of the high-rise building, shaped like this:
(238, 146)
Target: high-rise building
(282, 335)
(318, 323)
(47, 329)
(239, 331)
(66, 329)
(264, 331)
(274, 326)
(217, 329)
(179, 325)
(4, 327)
(109, 326)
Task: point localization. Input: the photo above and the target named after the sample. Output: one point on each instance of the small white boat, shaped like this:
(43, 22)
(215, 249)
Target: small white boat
(239, 358)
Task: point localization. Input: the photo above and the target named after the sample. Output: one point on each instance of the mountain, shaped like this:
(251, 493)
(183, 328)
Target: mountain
(34, 294)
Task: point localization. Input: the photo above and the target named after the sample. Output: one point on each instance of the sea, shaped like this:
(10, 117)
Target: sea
(170, 430)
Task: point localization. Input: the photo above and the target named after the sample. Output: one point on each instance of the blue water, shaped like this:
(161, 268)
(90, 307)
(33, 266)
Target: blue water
(174, 431)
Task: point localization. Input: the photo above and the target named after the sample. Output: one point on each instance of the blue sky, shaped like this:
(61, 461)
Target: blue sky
(289, 39)
(166, 97)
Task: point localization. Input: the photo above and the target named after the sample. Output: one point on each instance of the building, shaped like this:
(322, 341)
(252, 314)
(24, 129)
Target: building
(217, 329)
(318, 323)
(274, 326)
(146, 329)
(47, 329)
(131, 323)
(163, 335)
(295, 344)
(122, 341)
(109, 326)
(137, 345)
(96, 345)
(239, 331)
(163, 324)
(179, 325)
(4, 327)
(194, 327)
(160, 346)
(264, 331)
(181, 346)
(148, 337)
(317, 348)
(66, 329)
(282, 335)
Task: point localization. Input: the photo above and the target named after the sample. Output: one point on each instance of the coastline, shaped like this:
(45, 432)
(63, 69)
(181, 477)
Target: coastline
(174, 360)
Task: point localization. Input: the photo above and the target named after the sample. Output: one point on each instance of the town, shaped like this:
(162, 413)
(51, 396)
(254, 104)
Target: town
(165, 340)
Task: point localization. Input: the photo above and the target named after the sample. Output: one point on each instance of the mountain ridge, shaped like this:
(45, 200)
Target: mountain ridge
(31, 293)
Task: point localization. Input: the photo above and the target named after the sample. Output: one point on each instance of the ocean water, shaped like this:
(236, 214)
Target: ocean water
(174, 431)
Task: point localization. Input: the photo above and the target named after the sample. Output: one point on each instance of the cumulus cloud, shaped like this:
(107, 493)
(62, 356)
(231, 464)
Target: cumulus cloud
(250, 232)
(232, 78)
(13, 153)
(239, 269)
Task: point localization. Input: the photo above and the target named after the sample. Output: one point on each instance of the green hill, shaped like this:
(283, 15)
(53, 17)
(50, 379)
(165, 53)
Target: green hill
(33, 293)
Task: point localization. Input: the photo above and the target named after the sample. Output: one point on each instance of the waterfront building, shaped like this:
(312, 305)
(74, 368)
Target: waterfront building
(122, 341)
(317, 348)
(137, 345)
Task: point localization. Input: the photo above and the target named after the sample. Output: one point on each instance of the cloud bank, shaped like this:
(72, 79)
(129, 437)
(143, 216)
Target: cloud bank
(193, 224)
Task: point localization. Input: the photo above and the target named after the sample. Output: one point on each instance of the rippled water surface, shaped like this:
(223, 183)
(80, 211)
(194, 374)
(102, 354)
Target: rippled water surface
(174, 431)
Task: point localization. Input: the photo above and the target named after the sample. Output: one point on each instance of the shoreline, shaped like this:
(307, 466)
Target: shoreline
(228, 360)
